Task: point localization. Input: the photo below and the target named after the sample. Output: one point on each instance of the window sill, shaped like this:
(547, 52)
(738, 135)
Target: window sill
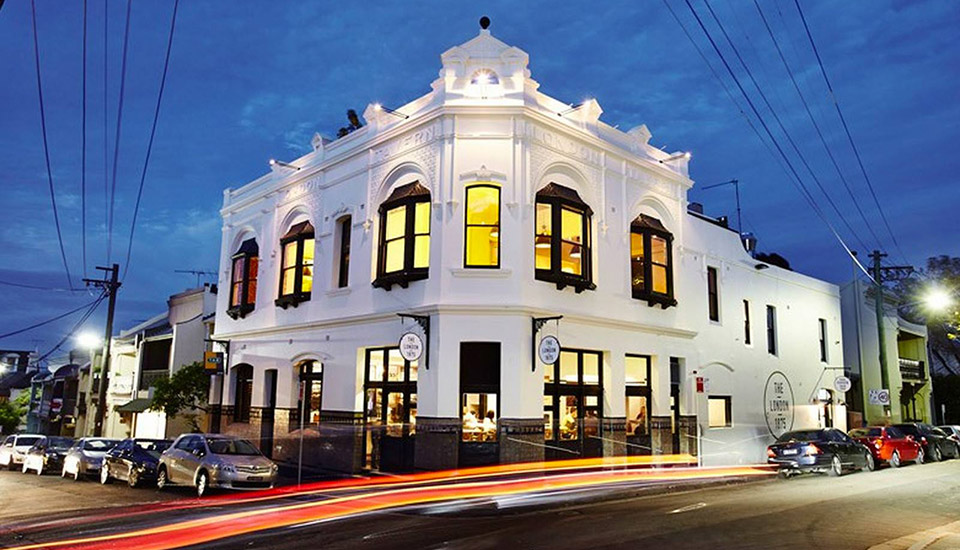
(402, 278)
(239, 312)
(563, 280)
(662, 300)
(481, 272)
(292, 300)
(339, 291)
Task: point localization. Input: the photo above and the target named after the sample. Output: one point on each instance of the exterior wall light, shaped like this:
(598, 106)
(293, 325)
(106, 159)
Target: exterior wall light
(685, 156)
(275, 162)
(377, 107)
(574, 107)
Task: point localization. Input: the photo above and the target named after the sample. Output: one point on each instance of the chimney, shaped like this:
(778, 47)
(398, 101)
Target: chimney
(723, 221)
(695, 207)
(749, 243)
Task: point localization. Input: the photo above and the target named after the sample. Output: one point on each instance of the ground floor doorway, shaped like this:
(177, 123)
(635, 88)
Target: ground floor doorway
(390, 410)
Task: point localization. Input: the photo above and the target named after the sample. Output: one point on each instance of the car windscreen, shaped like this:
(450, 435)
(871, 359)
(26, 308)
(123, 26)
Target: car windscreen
(908, 429)
(231, 447)
(866, 432)
(99, 445)
(27, 441)
(59, 443)
(895, 433)
(801, 435)
(153, 448)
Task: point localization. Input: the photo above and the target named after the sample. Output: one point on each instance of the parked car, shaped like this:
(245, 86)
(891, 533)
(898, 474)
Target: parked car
(819, 450)
(952, 430)
(133, 460)
(14, 448)
(86, 456)
(936, 443)
(212, 461)
(47, 454)
(888, 444)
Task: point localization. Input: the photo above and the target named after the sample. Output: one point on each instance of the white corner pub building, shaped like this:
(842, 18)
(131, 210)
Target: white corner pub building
(493, 227)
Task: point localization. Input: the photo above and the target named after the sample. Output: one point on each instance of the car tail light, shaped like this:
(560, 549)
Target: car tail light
(771, 453)
(812, 450)
(923, 440)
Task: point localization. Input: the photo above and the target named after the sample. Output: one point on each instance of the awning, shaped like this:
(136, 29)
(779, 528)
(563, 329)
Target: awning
(136, 406)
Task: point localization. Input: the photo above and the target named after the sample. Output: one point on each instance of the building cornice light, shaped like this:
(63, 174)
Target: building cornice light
(574, 107)
(379, 107)
(671, 158)
(275, 162)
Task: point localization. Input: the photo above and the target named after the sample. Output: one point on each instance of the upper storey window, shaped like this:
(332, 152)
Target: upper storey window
(651, 261)
(562, 240)
(404, 237)
(482, 231)
(243, 280)
(296, 267)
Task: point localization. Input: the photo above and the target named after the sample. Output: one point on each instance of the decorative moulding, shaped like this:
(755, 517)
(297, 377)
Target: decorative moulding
(479, 273)
(483, 174)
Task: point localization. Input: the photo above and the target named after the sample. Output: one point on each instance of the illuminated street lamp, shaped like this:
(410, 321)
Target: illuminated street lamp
(89, 341)
(938, 299)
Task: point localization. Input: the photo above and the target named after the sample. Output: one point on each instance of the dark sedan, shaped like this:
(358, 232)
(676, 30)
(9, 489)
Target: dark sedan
(819, 450)
(936, 444)
(133, 460)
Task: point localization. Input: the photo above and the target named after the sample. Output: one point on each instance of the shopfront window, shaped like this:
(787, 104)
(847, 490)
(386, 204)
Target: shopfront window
(296, 265)
(390, 409)
(243, 392)
(480, 417)
(562, 241)
(572, 406)
(637, 370)
(243, 279)
(311, 396)
(404, 250)
(651, 259)
(718, 411)
(482, 226)
(479, 391)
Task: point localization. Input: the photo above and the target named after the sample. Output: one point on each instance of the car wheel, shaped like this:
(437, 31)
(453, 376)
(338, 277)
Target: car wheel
(836, 467)
(63, 471)
(40, 469)
(104, 475)
(921, 458)
(936, 455)
(870, 464)
(202, 483)
(23, 469)
(161, 478)
(895, 459)
(133, 477)
(76, 473)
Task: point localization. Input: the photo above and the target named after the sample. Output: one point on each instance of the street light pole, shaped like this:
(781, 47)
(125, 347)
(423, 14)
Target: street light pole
(110, 286)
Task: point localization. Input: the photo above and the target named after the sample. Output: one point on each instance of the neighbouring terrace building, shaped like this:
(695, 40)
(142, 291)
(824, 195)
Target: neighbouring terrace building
(481, 208)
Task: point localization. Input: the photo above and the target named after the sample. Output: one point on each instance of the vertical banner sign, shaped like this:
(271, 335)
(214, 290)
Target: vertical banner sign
(778, 404)
(213, 362)
(699, 384)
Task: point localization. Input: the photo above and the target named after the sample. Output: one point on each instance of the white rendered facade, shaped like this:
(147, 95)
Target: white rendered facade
(485, 122)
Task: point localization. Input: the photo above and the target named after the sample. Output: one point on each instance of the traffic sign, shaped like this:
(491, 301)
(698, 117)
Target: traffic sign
(878, 397)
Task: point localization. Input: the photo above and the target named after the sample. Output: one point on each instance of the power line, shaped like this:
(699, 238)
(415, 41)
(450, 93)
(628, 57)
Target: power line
(813, 120)
(36, 287)
(46, 147)
(846, 130)
(106, 126)
(48, 321)
(83, 149)
(153, 131)
(797, 179)
(76, 327)
(116, 143)
(783, 128)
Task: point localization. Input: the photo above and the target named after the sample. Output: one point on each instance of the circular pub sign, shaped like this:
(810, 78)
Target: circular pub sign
(778, 404)
(549, 350)
(411, 346)
(842, 384)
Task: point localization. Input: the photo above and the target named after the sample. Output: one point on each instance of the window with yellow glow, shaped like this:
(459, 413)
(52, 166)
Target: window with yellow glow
(404, 250)
(243, 279)
(482, 226)
(651, 256)
(562, 238)
(296, 265)
(718, 411)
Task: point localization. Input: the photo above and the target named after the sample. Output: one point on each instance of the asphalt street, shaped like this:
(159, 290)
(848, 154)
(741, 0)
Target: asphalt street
(903, 508)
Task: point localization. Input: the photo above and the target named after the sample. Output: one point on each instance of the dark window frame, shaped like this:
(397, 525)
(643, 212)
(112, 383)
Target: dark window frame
(473, 387)
(248, 251)
(728, 410)
(298, 233)
(822, 329)
(581, 390)
(713, 294)
(467, 225)
(633, 389)
(559, 198)
(345, 224)
(747, 338)
(307, 378)
(409, 195)
(771, 329)
(648, 227)
(243, 392)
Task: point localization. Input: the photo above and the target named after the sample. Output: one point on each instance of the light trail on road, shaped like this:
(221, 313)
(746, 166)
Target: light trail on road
(394, 495)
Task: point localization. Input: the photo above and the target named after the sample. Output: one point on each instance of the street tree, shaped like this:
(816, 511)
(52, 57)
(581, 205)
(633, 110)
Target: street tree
(184, 393)
(12, 411)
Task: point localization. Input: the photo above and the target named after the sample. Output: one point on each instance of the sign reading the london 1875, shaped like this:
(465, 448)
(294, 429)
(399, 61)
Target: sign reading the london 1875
(778, 404)
(549, 350)
(411, 346)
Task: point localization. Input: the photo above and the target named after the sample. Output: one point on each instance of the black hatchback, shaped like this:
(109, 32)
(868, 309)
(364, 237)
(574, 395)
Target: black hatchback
(133, 460)
(819, 450)
(936, 444)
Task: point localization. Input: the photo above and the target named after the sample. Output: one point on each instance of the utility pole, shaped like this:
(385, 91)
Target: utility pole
(110, 286)
(880, 274)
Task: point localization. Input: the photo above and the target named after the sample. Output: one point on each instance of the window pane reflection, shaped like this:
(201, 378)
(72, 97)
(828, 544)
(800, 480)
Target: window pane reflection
(479, 417)
(395, 366)
(569, 423)
(637, 420)
(568, 367)
(395, 414)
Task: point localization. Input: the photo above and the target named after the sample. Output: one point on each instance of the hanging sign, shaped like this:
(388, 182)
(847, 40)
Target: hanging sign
(549, 350)
(411, 346)
(56, 405)
(842, 384)
(778, 404)
(212, 362)
(878, 397)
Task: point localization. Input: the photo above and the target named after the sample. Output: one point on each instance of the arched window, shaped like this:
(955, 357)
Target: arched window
(311, 395)
(651, 261)
(296, 267)
(243, 392)
(404, 250)
(562, 240)
(243, 279)
(482, 226)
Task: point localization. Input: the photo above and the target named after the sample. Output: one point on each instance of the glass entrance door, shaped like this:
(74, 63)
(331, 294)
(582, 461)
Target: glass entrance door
(390, 410)
(572, 408)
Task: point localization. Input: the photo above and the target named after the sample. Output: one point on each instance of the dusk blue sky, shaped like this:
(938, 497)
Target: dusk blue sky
(253, 80)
